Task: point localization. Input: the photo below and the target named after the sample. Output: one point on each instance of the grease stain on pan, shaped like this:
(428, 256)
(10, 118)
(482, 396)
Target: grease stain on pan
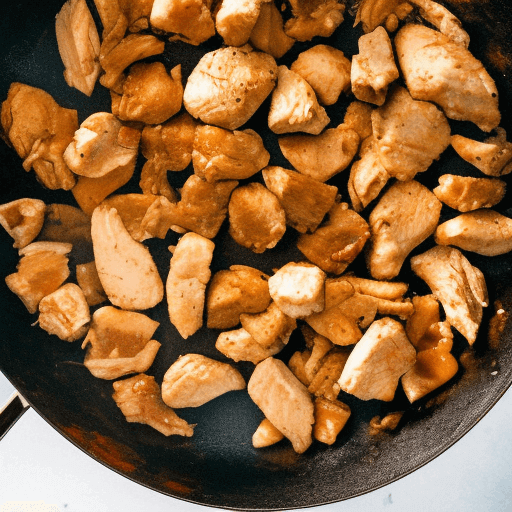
(178, 488)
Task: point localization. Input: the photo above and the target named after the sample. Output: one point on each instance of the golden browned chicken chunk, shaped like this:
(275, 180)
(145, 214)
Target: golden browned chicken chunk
(228, 85)
(406, 215)
(39, 130)
(220, 154)
(137, 13)
(439, 70)
(372, 13)
(330, 418)
(256, 219)
(266, 435)
(140, 400)
(358, 117)
(326, 69)
(23, 220)
(195, 379)
(465, 193)
(284, 400)
(89, 281)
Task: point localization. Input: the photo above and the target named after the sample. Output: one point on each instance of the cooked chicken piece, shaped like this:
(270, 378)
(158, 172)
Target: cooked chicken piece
(79, 45)
(409, 134)
(426, 314)
(41, 270)
(195, 379)
(228, 85)
(374, 68)
(326, 69)
(379, 289)
(298, 289)
(358, 117)
(240, 289)
(330, 418)
(132, 48)
(140, 400)
(186, 283)
(314, 18)
(268, 33)
(220, 154)
(202, 208)
(119, 343)
(386, 424)
(337, 242)
(304, 200)
(235, 20)
(190, 20)
(256, 219)
(150, 94)
(168, 147)
(325, 381)
(65, 313)
(444, 20)
(373, 13)
(114, 23)
(102, 145)
(23, 220)
(493, 156)
(89, 281)
(284, 400)
(359, 308)
(125, 267)
(294, 107)
(465, 193)
(239, 345)
(485, 232)
(269, 328)
(137, 13)
(458, 285)
(439, 70)
(318, 346)
(406, 215)
(266, 435)
(39, 130)
(367, 176)
(402, 309)
(297, 363)
(377, 362)
(321, 156)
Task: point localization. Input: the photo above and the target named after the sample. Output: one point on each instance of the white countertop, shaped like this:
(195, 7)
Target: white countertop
(37, 464)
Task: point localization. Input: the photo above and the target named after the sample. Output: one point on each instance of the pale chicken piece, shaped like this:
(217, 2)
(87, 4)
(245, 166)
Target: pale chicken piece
(367, 176)
(256, 219)
(298, 289)
(102, 145)
(304, 200)
(266, 435)
(374, 68)
(41, 270)
(284, 400)
(459, 286)
(326, 69)
(485, 232)
(239, 345)
(439, 70)
(464, 193)
(150, 94)
(377, 362)
(89, 281)
(228, 85)
(23, 219)
(268, 33)
(220, 154)
(190, 20)
(409, 134)
(39, 130)
(137, 13)
(235, 20)
(186, 283)
(195, 379)
(79, 45)
(314, 18)
(321, 156)
(337, 242)
(406, 215)
(358, 117)
(493, 156)
(140, 400)
(65, 313)
(294, 106)
(119, 343)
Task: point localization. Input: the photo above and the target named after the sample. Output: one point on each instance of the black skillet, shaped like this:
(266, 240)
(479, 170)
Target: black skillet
(218, 466)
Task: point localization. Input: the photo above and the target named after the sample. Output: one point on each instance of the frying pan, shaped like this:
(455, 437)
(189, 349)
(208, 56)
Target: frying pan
(218, 466)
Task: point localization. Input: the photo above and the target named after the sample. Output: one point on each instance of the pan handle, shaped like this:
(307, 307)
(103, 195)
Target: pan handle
(11, 412)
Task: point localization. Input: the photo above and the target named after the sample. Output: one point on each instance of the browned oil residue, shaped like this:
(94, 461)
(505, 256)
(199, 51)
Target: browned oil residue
(101, 447)
(497, 325)
(177, 487)
(497, 58)
(439, 399)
